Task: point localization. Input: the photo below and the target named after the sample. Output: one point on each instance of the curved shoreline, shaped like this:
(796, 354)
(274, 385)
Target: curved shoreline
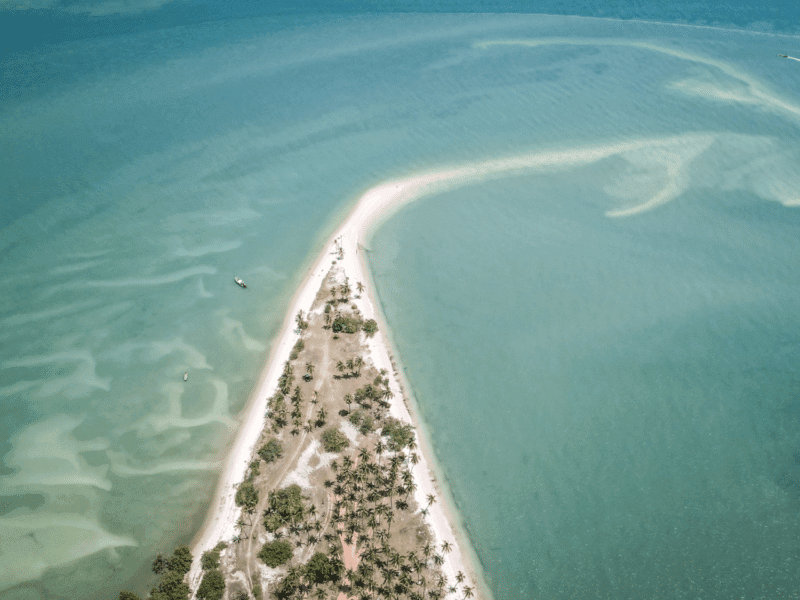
(372, 208)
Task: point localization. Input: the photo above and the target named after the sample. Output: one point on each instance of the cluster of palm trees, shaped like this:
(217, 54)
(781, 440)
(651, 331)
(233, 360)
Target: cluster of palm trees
(345, 290)
(352, 365)
(371, 491)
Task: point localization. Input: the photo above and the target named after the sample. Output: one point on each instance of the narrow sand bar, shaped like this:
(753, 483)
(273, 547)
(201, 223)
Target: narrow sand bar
(375, 206)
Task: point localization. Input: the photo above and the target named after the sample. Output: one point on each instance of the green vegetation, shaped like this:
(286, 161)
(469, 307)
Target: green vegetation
(370, 326)
(400, 435)
(285, 381)
(210, 559)
(322, 568)
(297, 349)
(275, 553)
(346, 324)
(247, 495)
(363, 421)
(181, 560)
(271, 451)
(212, 587)
(334, 440)
(257, 591)
(170, 585)
(125, 595)
(285, 508)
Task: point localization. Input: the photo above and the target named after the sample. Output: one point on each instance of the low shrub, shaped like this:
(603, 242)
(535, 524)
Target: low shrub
(345, 324)
(367, 425)
(334, 440)
(400, 435)
(275, 553)
(297, 349)
(271, 451)
(370, 326)
(247, 494)
(210, 560)
(212, 587)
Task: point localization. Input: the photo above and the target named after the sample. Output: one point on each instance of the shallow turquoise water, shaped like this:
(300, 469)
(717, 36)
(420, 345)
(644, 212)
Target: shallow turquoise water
(641, 369)
(615, 401)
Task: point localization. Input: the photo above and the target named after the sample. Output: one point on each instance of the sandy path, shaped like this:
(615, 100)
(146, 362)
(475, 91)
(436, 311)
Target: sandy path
(272, 484)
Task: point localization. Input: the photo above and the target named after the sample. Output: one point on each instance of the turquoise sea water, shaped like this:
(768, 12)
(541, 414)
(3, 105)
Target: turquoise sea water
(613, 400)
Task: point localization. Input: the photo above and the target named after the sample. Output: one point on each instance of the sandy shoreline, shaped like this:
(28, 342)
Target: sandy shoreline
(374, 206)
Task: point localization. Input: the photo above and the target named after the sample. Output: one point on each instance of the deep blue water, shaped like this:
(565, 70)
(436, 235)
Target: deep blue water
(632, 430)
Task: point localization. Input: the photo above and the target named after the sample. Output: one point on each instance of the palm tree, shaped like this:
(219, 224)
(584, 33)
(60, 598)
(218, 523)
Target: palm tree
(460, 577)
(389, 519)
(350, 365)
(364, 455)
(358, 363)
(446, 547)
(359, 287)
(240, 525)
(426, 550)
(340, 366)
(467, 592)
(379, 449)
(431, 499)
(309, 368)
(348, 398)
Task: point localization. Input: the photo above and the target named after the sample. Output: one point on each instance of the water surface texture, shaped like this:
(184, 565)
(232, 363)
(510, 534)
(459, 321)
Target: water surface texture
(604, 351)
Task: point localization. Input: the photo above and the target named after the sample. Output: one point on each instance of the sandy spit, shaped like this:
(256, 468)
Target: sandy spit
(376, 205)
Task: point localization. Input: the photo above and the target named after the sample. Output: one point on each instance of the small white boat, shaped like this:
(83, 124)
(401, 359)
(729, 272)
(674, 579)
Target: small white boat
(186, 376)
(239, 282)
